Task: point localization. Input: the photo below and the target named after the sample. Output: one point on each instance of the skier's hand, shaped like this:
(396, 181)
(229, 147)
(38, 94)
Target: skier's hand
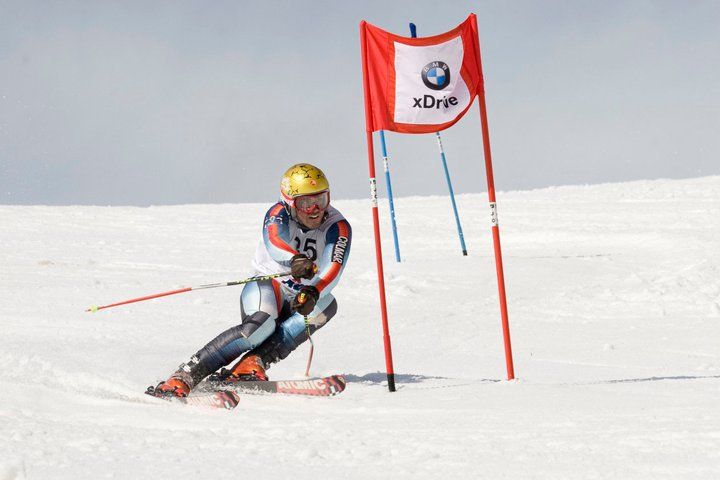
(304, 302)
(302, 267)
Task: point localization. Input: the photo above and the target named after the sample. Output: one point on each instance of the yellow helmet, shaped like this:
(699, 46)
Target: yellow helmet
(302, 179)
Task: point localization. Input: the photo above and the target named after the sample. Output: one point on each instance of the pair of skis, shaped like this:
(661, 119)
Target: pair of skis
(215, 393)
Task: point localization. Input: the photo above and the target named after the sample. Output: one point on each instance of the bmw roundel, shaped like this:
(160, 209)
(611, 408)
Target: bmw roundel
(436, 75)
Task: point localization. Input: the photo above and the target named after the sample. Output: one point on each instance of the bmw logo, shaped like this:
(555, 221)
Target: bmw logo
(436, 75)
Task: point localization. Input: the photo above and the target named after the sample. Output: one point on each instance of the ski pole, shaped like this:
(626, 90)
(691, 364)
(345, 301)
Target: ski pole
(189, 289)
(312, 347)
(302, 298)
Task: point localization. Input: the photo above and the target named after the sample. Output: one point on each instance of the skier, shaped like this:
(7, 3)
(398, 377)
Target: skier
(302, 234)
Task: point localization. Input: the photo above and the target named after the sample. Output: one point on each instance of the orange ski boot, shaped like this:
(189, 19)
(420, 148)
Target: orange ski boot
(172, 387)
(249, 368)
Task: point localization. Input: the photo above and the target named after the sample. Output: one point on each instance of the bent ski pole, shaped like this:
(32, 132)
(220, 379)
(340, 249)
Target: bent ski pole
(310, 356)
(189, 289)
(302, 298)
(312, 347)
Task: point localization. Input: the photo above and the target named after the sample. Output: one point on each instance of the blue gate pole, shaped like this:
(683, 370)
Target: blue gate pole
(452, 195)
(386, 166)
(413, 33)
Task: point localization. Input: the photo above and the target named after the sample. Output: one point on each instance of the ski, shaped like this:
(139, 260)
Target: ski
(316, 387)
(211, 399)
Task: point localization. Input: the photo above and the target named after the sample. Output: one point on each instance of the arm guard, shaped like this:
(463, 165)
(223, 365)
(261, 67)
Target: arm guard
(334, 257)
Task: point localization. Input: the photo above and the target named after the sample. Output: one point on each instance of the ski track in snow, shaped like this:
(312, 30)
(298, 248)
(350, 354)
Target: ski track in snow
(614, 305)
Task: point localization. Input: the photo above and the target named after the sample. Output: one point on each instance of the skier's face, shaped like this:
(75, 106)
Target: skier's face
(311, 220)
(311, 209)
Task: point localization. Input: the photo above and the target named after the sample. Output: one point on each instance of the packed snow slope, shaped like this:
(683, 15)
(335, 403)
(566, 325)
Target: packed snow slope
(614, 304)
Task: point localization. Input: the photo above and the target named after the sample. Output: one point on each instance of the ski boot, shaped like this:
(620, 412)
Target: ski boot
(172, 387)
(249, 369)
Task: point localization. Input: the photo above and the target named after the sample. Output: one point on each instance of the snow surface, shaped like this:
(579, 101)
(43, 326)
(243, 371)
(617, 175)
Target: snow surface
(614, 302)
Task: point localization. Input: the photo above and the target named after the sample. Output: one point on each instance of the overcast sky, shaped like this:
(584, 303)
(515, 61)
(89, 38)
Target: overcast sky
(141, 103)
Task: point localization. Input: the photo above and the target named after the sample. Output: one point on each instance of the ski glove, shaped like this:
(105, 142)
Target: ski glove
(304, 302)
(302, 267)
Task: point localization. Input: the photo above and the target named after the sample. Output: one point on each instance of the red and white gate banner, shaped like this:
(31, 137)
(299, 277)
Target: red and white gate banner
(421, 85)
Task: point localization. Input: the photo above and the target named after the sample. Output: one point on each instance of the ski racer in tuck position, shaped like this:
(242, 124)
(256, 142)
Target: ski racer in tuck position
(303, 234)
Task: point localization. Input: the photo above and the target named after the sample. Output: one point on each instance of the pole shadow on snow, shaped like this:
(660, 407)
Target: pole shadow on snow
(379, 378)
(657, 379)
(647, 379)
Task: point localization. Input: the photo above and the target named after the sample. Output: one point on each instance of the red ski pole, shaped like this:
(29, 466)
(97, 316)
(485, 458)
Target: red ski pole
(189, 289)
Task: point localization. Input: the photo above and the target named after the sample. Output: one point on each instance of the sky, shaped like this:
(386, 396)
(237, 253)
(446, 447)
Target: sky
(177, 102)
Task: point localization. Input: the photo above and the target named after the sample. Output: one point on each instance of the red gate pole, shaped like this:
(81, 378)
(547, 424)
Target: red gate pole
(493, 209)
(376, 220)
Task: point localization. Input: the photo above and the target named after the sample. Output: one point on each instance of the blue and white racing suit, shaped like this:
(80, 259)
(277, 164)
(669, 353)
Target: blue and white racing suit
(269, 326)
